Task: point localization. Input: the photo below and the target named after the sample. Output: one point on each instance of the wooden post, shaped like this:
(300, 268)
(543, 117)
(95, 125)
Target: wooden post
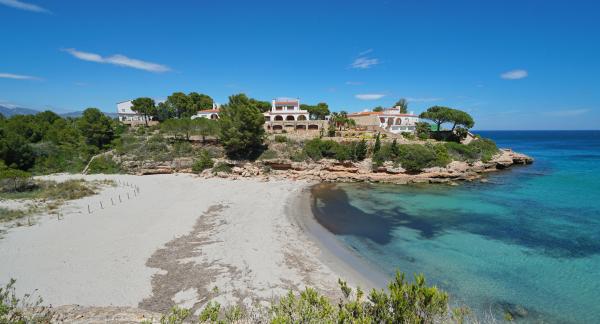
(89, 211)
(120, 199)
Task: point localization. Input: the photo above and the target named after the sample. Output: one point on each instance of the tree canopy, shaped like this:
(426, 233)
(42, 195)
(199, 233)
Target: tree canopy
(46, 142)
(318, 111)
(96, 128)
(241, 127)
(441, 115)
(144, 106)
(200, 101)
(403, 105)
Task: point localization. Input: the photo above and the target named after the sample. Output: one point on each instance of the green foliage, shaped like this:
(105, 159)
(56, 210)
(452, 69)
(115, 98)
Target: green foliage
(408, 136)
(281, 138)
(268, 154)
(96, 128)
(440, 115)
(423, 130)
(377, 145)
(13, 179)
(180, 104)
(486, 148)
(7, 215)
(210, 313)
(309, 307)
(27, 309)
(200, 101)
(241, 127)
(378, 109)
(403, 105)
(318, 111)
(415, 157)
(203, 162)
(479, 149)
(318, 149)
(105, 165)
(221, 167)
(144, 106)
(177, 315)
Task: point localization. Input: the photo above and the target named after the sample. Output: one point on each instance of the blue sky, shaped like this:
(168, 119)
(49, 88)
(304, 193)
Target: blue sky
(512, 64)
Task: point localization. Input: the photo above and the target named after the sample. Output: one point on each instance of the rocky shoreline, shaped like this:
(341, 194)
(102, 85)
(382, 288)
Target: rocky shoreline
(328, 170)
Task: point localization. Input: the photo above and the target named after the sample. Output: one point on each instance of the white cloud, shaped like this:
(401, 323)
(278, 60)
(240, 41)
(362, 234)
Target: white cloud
(363, 53)
(514, 75)
(17, 76)
(369, 96)
(118, 59)
(23, 6)
(423, 99)
(567, 113)
(354, 83)
(364, 63)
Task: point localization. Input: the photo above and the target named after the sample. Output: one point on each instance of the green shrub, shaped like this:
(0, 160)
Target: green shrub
(299, 156)
(221, 167)
(203, 162)
(317, 149)
(409, 136)
(104, 164)
(486, 148)
(182, 148)
(415, 157)
(281, 138)
(7, 215)
(267, 155)
(21, 310)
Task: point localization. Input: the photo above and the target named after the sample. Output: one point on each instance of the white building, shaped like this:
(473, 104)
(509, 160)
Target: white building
(286, 109)
(390, 119)
(128, 116)
(208, 113)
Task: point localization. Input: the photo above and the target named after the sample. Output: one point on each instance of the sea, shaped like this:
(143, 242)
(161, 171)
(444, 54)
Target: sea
(525, 241)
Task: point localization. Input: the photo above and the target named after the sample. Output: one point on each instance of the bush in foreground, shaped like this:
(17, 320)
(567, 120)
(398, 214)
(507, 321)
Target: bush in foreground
(203, 162)
(403, 302)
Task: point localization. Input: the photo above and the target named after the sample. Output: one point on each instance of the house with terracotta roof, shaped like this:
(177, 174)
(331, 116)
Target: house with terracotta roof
(286, 109)
(390, 119)
(208, 113)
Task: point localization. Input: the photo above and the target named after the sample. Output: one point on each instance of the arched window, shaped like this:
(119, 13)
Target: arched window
(278, 117)
(289, 117)
(214, 116)
(301, 117)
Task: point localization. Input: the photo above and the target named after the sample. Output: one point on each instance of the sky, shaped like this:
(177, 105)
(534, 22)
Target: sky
(512, 64)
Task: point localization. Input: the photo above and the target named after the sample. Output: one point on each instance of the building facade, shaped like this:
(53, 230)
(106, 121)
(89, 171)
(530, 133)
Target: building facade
(130, 117)
(390, 119)
(208, 113)
(286, 109)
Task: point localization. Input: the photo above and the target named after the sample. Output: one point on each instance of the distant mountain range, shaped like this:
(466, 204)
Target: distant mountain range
(8, 111)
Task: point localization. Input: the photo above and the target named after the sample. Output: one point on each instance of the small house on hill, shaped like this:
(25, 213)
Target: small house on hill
(390, 119)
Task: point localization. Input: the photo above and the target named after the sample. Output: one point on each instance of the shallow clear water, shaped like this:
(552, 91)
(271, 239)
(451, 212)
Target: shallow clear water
(528, 240)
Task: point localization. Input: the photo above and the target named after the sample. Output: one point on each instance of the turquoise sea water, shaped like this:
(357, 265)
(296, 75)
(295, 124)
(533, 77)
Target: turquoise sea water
(526, 241)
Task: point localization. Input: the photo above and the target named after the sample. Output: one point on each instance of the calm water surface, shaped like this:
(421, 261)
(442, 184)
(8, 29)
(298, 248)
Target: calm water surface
(528, 240)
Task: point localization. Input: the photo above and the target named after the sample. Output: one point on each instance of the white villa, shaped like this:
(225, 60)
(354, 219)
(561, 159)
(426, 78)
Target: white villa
(128, 116)
(286, 109)
(209, 113)
(390, 119)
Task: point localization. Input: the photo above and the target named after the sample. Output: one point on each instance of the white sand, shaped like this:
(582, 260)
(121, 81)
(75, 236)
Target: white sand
(171, 244)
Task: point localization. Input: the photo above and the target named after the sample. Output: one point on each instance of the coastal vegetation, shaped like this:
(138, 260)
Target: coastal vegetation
(47, 143)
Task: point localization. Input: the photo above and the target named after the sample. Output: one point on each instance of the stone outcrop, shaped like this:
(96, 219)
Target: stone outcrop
(328, 170)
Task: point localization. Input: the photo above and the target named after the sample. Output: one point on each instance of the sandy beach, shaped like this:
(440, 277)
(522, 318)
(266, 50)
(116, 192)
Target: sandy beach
(181, 240)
